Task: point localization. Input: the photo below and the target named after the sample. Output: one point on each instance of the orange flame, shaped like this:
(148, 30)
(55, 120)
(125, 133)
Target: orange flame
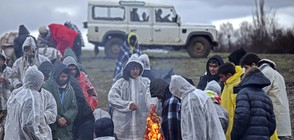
(153, 127)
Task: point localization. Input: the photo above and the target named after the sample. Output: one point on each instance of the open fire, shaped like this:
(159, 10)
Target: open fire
(153, 127)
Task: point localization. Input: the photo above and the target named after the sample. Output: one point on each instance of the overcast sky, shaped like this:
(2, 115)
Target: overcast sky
(34, 13)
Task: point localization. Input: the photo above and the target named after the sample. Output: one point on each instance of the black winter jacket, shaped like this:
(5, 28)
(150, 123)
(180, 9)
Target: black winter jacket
(254, 116)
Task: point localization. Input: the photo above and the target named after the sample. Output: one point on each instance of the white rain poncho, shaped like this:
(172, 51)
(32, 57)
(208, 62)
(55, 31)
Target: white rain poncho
(21, 64)
(50, 106)
(25, 114)
(199, 120)
(130, 125)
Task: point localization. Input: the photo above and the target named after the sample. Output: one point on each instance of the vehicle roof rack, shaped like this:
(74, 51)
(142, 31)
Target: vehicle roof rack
(132, 3)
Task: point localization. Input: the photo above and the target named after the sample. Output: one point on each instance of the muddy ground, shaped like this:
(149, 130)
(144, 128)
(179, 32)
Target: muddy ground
(101, 69)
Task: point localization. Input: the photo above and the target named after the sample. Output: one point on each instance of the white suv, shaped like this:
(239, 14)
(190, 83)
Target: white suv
(156, 25)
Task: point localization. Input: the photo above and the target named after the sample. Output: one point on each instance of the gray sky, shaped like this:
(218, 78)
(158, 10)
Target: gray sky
(34, 13)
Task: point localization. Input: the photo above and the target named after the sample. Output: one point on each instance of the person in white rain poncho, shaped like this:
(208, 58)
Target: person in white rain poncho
(25, 112)
(199, 120)
(30, 57)
(131, 100)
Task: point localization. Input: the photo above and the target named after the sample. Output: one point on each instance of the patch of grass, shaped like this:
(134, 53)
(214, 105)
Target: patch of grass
(101, 69)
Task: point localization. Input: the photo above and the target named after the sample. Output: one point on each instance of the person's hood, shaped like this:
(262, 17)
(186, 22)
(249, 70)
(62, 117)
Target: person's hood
(104, 127)
(236, 56)
(238, 74)
(69, 52)
(71, 61)
(218, 58)
(3, 57)
(267, 62)
(33, 78)
(179, 86)
(58, 68)
(30, 41)
(129, 37)
(254, 77)
(22, 30)
(145, 60)
(213, 86)
(158, 87)
(133, 59)
(46, 67)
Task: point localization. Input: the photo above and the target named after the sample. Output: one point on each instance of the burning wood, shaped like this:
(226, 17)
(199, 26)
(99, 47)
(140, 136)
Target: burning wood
(153, 127)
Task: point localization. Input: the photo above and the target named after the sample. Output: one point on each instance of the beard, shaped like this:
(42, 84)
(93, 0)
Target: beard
(30, 59)
(61, 82)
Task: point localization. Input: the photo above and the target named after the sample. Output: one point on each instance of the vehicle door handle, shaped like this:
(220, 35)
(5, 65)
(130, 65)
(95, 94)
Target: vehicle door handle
(133, 30)
(157, 30)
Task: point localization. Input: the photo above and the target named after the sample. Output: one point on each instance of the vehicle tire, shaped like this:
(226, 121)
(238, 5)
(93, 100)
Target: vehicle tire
(198, 47)
(112, 47)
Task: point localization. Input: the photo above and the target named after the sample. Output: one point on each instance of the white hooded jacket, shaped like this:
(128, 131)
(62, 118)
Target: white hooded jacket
(199, 119)
(25, 111)
(130, 125)
(21, 64)
(278, 94)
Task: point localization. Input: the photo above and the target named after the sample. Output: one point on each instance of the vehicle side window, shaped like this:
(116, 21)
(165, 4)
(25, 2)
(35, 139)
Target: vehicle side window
(108, 13)
(165, 15)
(139, 15)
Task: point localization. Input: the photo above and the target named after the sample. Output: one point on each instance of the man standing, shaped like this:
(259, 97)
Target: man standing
(62, 37)
(5, 87)
(58, 84)
(230, 75)
(199, 120)
(30, 57)
(129, 47)
(83, 80)
(25, 110)
(254, 116)
(212, 66)
(23, 33)
(131, 100)
(276, 91)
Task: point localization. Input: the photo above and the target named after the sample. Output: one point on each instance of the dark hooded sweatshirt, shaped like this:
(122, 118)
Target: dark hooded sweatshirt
(208, 77)
(23, 33)
(66, 105)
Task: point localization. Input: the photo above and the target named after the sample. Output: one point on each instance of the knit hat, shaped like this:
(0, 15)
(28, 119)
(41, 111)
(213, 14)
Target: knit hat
(236, 56)
(214, 86)
(43, 30)
(104, 127)
(46, 67)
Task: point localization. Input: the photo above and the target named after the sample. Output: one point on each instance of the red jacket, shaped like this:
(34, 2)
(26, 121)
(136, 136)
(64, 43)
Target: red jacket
(62, 36)
(88, 90)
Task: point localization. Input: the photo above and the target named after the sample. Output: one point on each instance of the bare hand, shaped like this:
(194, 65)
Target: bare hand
(62, 121)
(133, 106)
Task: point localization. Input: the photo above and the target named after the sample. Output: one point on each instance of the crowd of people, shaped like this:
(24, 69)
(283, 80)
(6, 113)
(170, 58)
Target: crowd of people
(50, 96)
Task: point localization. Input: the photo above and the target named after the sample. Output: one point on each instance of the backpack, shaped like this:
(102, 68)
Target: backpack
(6, 46)
(7, 39)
